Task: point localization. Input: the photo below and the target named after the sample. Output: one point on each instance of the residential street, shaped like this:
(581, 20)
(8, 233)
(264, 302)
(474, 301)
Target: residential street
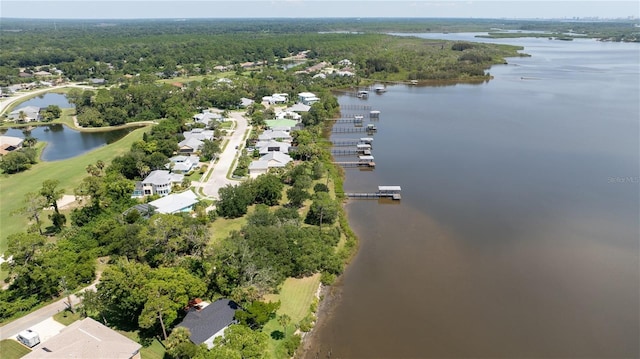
(218, 178)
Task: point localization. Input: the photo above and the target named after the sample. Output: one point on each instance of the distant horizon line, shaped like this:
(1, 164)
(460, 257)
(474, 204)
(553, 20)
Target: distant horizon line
(574, 18)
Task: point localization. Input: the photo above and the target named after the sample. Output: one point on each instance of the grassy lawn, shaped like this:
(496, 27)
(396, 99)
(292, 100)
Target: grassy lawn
(11, 349)
(295, 297)
(65, 317)
(153, 351)
(227, 125)
(69, 172)
(222, 227)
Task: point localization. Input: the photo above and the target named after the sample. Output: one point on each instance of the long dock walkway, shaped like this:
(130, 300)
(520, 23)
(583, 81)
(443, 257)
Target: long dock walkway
(392, 192)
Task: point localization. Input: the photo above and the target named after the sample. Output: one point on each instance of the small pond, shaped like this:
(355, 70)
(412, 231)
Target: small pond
(63, 142)
(49, 98)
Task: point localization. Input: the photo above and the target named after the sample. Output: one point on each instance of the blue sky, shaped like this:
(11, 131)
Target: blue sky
(118, 9)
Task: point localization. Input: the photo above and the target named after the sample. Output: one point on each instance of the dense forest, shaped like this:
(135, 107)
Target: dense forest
(120, 49)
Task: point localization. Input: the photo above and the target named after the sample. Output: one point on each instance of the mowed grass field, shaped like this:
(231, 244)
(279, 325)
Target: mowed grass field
(295, 297)
(69, 172)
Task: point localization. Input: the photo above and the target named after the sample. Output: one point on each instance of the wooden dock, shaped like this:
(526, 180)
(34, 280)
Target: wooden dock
(354, 107)
(355, 119)
(352, 164)
(351, 151)
(367, 129)
(392, 192)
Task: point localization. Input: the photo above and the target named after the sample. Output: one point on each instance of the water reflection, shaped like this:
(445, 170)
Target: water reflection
(63, 142)
(510, 241)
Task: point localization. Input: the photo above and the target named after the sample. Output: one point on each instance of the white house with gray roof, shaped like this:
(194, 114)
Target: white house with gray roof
(190, 145)
(206, 117)
(265, 147)
(30, 113)
(183, 164)
(308, 98)
(175, 203)
(157, 182)
(274, 135)
(270, 160)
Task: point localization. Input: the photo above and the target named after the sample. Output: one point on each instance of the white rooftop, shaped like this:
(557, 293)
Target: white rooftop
(175, 202)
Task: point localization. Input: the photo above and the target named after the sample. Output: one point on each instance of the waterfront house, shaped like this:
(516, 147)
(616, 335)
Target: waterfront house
(87, 338)
(9, 143)
(265, 147)
(25, 114)
(299, 107)
(272, 135)
(281, 124)
(157, 182)
(209, 321)
(270, 160)
(307, 98)
(175, 203)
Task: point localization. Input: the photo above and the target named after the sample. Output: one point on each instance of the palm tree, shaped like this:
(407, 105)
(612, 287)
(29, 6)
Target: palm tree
(22, 116)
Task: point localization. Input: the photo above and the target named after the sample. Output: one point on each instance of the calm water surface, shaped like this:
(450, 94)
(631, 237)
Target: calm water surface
(47, 99)
(63, 142)
(517, 235)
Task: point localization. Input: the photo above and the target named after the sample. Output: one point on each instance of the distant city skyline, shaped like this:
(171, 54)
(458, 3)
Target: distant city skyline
(154, 9)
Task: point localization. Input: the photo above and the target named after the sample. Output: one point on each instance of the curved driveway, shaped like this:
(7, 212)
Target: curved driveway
(218, 177)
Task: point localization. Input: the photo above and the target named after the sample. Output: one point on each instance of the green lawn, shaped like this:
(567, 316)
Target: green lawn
(65, 317)
(153, 351)
(222, 227)
(11, 349)
(295, 297)
(69, 172)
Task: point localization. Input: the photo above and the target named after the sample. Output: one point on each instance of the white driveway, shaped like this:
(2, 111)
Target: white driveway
(218, 177)
(46, 329)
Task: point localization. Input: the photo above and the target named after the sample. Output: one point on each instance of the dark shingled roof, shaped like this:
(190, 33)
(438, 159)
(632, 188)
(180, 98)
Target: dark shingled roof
(206, 322)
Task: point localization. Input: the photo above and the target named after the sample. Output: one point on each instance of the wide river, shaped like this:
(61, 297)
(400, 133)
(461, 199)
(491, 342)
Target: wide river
(517, 234)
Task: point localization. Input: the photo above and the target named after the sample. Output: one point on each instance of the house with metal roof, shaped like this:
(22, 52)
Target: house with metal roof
(26, 114)
(190, 145)
(272, 135)
(208, 321)
(175, 202)
(299, 107)
(87, 338)
(270, 160)
(265, 147)
(207, 117)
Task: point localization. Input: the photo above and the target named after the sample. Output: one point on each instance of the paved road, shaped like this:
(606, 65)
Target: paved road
(218, 178)
(30, 320)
